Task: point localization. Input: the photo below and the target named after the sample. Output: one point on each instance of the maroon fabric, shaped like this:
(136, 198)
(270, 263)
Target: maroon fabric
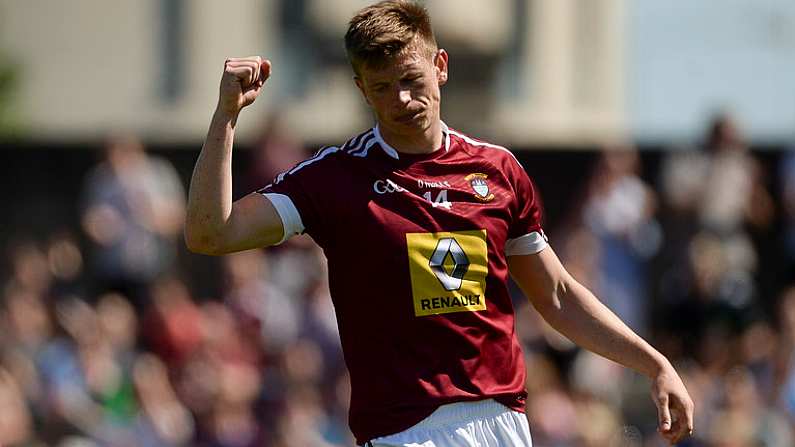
(403, 366)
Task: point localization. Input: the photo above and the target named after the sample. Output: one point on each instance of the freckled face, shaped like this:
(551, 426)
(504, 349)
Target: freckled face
(405, 95)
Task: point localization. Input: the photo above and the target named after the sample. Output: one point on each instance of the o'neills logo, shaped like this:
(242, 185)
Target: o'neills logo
(478, 183)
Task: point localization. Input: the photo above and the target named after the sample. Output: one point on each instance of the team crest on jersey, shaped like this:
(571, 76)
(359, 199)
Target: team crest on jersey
(481, 187)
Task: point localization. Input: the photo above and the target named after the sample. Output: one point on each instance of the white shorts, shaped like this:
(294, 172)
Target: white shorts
(485, 423)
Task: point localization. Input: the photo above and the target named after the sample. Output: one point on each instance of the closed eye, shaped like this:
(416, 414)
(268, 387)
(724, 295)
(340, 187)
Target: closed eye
(380, 87)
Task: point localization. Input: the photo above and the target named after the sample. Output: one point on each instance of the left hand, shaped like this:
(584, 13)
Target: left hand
(674, 406)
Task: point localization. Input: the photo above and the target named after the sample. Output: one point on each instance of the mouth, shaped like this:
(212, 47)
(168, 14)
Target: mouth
(408, 117)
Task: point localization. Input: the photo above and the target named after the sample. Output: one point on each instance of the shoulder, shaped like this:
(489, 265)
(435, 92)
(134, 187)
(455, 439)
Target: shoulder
(492, 153)
(359, 144)
(352, 147)
(329, 158)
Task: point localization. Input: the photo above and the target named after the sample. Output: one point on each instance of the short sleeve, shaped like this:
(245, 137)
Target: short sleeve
(525, 234)
(295, 194)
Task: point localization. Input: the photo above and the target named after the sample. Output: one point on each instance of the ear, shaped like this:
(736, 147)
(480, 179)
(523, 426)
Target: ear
(440, 63)
(360, 86)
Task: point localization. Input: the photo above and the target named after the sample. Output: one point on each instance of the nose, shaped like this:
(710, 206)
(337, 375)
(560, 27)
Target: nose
(404, 95)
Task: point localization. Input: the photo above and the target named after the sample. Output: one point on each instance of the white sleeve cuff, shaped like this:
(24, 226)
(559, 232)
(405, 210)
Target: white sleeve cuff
(291, 220)
(529, 244)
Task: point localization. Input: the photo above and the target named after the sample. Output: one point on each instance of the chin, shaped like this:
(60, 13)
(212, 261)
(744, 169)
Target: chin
(420, 122)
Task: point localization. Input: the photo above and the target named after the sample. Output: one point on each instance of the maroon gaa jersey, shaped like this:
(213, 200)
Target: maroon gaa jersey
(416, 248)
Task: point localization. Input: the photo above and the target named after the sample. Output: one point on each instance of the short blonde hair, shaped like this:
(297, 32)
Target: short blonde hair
(379, 32)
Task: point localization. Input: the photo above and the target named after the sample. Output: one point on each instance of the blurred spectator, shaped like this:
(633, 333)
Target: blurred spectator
(233, 421)
(29, 267)
(271, 314)
(734, 192)
(744, 419)
(784, 390)
(722, 184)
(16, 426)
(320, 324)
(710, 306)
(27, 321)
(132, 211)
(222, 380)
(296, 266)
(619, 211)
(164, 420)
(65, 261)
(787, 192)
(550, 408)
(119, 325)
(276, 151)
(710, 262)
(172, 324)
(721, 190)
(304, 421)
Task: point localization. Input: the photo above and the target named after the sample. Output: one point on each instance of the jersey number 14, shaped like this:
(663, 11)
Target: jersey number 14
(441, 199)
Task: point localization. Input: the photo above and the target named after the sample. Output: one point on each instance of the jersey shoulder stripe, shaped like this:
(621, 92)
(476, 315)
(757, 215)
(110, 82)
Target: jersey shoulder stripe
(361, 144)
(481, 144)
(354, 142)
(323, 153)
(366, 144)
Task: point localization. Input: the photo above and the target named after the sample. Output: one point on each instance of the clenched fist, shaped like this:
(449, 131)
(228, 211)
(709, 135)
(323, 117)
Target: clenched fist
(241, 82)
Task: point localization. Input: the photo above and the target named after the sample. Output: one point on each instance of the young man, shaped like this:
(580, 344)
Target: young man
(421, 226)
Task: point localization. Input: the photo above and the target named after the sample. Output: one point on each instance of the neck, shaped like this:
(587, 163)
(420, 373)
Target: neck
(423, 142)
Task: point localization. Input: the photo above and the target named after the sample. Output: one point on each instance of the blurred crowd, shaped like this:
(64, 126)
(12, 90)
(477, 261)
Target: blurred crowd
(104, 341)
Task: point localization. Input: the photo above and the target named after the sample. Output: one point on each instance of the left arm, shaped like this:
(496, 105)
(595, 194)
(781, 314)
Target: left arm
(575, 312)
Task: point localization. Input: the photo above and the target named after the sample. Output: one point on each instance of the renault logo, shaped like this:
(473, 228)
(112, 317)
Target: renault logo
(449, 246)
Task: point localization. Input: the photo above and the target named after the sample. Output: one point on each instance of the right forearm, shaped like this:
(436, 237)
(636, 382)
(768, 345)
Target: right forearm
(210, 194)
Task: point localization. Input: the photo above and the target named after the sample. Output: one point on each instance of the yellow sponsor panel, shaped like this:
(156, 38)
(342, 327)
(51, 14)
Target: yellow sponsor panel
(448, 271)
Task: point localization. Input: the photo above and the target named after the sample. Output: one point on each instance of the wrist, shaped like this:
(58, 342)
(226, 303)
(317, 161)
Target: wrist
(659, 365)
(225, 117)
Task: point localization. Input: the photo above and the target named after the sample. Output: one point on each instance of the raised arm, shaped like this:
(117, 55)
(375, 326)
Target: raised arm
(214, 224)
(575, 312)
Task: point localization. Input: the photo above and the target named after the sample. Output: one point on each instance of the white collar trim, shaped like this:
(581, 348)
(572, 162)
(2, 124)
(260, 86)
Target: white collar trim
(392, 152)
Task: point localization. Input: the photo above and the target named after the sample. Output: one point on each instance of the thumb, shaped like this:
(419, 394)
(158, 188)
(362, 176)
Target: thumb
(664, 414)
(251, 93)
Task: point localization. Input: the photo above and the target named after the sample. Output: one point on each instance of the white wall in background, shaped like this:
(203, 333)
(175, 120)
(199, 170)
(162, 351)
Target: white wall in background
(686, 59)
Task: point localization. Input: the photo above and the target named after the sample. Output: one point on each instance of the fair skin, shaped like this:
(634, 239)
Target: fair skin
(405, 98)
(214, 225)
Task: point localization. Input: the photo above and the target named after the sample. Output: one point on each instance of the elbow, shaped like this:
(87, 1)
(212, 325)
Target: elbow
(202, 244)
